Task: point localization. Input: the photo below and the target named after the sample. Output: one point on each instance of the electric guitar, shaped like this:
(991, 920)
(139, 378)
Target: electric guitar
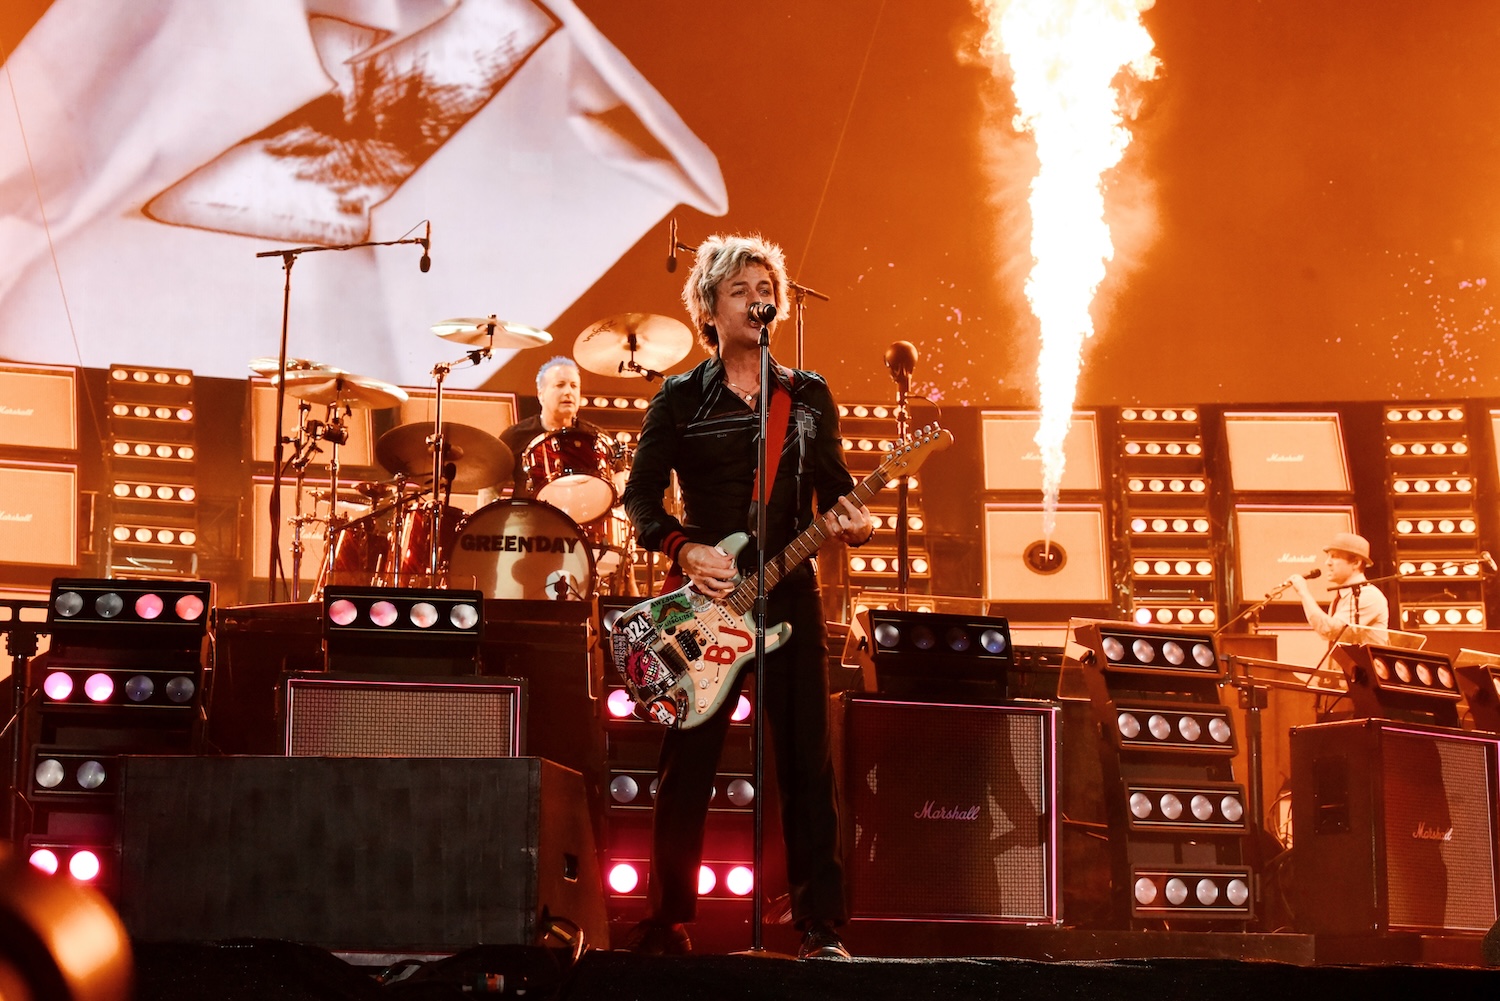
(679, 652)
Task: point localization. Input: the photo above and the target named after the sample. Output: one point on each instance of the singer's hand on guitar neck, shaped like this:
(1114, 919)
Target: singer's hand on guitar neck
(710, 568)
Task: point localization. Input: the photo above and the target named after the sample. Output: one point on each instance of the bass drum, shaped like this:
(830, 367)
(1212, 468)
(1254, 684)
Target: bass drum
(523, 549)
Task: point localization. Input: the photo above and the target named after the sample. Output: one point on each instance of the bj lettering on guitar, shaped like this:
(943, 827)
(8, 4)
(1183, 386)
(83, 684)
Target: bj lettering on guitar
(680, 651)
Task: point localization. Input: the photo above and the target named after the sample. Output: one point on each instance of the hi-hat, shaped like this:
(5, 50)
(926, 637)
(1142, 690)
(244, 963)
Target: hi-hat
(479, 458)
(632, 344)
(270, 366)
(331, 385)
(475, 332)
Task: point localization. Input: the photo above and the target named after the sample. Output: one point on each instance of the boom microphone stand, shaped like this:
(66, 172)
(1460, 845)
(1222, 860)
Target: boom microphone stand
(289, 257)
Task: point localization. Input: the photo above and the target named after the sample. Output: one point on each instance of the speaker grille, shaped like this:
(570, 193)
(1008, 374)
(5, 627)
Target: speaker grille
(1439, 821)
(360, 719)
(952, 810)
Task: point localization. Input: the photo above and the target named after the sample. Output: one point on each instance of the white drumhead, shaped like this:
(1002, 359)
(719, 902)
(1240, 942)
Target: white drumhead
(522, 549)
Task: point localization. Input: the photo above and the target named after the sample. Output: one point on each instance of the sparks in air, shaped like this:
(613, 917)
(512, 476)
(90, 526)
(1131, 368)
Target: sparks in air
(1062, 58)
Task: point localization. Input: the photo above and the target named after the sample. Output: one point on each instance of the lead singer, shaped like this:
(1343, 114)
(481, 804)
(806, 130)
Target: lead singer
(704, 424)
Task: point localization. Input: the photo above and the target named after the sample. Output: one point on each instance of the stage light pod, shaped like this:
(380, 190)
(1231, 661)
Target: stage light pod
(1210, 808)
(167, 614)
(1205, 893)
(1417, 686)
(934, 656)
(1174, 728)
(1478, 675)
(388, 612)
(89, 686)
(60, 775)
(1122, 648)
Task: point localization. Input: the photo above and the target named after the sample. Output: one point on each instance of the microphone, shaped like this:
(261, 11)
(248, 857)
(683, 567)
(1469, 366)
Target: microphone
(426, 262)
(1489, 561)
(901, 359)
(672, 245)
(1312, 574)
(761, 312)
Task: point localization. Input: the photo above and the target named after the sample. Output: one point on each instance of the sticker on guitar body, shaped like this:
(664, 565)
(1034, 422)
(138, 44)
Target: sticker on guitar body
(721, 653)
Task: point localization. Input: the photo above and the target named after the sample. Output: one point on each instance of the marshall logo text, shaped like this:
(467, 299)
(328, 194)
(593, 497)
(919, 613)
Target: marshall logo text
(1425, 833)
(931, 811)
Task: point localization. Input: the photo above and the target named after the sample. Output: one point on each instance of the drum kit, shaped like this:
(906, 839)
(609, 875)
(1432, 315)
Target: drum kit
(568, 540)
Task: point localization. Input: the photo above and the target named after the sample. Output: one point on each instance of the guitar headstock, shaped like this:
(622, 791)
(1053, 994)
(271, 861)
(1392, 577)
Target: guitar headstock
(910, 452)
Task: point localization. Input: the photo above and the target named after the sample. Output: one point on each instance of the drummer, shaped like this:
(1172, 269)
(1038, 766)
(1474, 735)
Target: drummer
(560, 393)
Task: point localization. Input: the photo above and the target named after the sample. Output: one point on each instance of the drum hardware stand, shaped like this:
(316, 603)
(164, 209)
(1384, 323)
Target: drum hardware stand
(288, 258)
(631, 365)
(438, 446)
(901, 359)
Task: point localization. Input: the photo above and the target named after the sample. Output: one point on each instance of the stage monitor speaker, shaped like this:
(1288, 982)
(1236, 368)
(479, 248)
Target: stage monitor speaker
(38, 407)
(357, 854)
(1275, 542)
(953, 811)
(1021, 566)
(1012, 460)
(39, 514)
(330, 716)
(1393, 828)
(1286, 452)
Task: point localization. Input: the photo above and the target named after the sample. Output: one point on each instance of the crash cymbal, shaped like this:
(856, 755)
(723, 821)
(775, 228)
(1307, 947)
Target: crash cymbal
(659, 342)
(475, 332)
(480, 459)
(330, 385)
(270, 366)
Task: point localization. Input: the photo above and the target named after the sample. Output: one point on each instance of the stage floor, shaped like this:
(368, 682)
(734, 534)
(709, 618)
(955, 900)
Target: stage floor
(1244, 968)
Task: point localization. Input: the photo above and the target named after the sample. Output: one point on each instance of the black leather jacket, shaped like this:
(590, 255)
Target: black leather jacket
(699, 427)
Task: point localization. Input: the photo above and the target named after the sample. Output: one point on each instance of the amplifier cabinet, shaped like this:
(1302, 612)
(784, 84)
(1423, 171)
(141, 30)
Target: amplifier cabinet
(357, 717)
(952, 810)
(1394, 828)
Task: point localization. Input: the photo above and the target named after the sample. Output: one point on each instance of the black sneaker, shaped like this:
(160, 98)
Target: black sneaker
(654, 938)
(822, 942)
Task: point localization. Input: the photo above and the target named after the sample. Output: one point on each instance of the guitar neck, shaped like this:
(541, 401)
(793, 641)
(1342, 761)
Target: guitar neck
(742, 598)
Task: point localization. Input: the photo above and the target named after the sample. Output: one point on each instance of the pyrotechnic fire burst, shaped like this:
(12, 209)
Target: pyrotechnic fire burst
(1063, 57)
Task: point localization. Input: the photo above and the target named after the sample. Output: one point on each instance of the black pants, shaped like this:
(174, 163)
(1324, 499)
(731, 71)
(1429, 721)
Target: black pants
(797, 719)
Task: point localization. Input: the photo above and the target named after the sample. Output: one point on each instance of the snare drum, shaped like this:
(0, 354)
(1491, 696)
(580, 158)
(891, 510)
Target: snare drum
(523, 549)
(573, 471)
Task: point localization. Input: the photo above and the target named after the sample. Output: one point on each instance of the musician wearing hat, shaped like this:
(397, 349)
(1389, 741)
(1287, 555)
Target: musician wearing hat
(1354, 600)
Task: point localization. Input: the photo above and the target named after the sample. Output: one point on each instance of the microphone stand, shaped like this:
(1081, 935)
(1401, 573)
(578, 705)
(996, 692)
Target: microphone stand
(289, 257)
(759, 836)
(799, 296)
(903, 542)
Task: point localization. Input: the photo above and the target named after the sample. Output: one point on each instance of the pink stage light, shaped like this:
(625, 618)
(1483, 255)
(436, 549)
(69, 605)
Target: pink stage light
(189, 607)
(149, 606)
(58, 686)
(620, 703)
(84, 866)
(45, 859)
(99, 687)
(740, 881)
(342, 612)
(741, 710)
(706, 880)
(623, 877)
(383, 613)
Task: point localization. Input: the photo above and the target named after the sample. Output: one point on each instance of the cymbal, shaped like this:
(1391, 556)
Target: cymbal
(331, 385)
(475, 332)
(270, 366)
(480, 458)
(659, 341)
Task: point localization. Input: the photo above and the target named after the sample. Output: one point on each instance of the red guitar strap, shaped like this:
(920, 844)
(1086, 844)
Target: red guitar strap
(776, 422)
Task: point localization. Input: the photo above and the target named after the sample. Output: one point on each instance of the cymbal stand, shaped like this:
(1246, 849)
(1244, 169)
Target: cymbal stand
(438, 444)
(336, 433)
(631, 365)
(306, 444)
